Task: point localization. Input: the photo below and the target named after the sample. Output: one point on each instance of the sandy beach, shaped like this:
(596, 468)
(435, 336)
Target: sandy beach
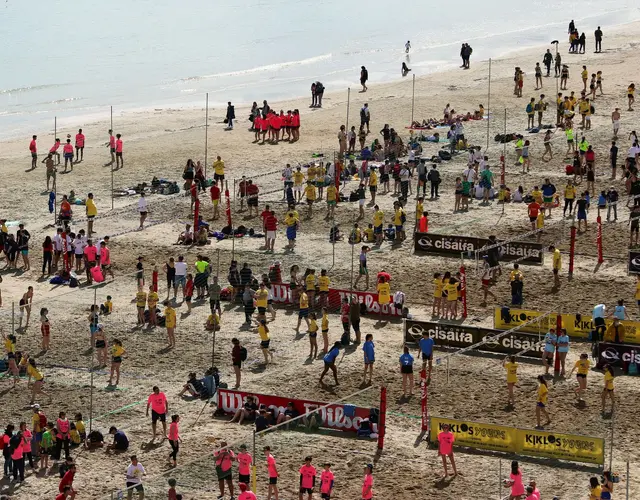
(158, 143)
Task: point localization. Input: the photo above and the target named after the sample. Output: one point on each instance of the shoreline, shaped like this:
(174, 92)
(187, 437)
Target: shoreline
(97, 114)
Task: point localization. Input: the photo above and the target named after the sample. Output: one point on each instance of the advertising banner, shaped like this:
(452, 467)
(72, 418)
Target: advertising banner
(524, 251)
(459, 336)
(620, 355)
(333, 417)
(577, 325)
(533, 443)
(633, 265)
(282, 294)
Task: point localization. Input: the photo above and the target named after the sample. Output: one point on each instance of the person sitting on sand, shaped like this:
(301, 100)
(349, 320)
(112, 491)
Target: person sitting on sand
(186, 236)
(247, 411)
(203, 236)
(405, 69)
(194, 386)
(213, 323)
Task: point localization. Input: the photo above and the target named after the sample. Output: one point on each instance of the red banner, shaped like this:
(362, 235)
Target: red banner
(424, 400)
(282, 294)
(333, 416)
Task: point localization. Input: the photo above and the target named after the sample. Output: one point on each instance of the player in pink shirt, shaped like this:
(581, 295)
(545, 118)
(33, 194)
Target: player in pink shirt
(445, 448)
(224, 458)
(273, 474)
(79, 146)
(67, 151)
(246, 493)
(534, 490)
(105, 259)
(159, 408)
(174, 439)
(26, 443)
(119, 159)
(326, 482)
(54, 151)
(515, 481)
(367, 483)
(112, 147)
(307, 478)
(244, 460)
(33, 149)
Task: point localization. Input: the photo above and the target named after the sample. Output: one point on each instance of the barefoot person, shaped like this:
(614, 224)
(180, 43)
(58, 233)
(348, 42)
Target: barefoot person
(406, 369)
(445, 449)
(157, 401)
(367, 482)
(273, 474)
(117, 351)
(607, 391)
(542, 402)
(38, 380)
(224, 458)
(510, 365)
(170, 322)
(330, 362)
(582, 365)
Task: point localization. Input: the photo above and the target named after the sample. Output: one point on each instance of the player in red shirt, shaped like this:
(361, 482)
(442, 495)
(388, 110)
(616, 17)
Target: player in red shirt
(215, 198)
(33, 149)
(271, 228)
(264, 214)
(533, 210)
(252, 197)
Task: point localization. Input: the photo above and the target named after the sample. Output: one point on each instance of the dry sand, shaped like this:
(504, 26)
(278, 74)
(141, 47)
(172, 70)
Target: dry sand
(159, 142)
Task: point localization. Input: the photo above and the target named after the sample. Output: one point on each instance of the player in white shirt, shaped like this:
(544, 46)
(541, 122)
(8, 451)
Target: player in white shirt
(135, 471)
(142, 209)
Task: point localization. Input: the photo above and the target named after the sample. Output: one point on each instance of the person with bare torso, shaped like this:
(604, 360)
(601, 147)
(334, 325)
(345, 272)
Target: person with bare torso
(615, 120)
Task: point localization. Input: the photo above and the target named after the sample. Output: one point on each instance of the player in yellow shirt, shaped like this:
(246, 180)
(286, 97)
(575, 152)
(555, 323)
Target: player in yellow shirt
(332, 195)
(141, 304)
(298, 180)
(321, 173)
(310, 286)
(537, 195)
(384, 292)
(92, 211)
(542, 401)
(368, 234)
(291, 220)
(378, 222)
(152, 302)
(419, 211)
(262, 300)
(313, 336)
(584, 74)
(265, 340)
(311, 173)
(451, 308)
(557, 265)
(38, 380)
(323, 289)
(436, 310)
(325, 331)
(373, 184)
(170, 322)
(510, 365)
(303, 313)
(310, 193)
(607, 391)
(582, 365)
(399, 219)
(218, 170)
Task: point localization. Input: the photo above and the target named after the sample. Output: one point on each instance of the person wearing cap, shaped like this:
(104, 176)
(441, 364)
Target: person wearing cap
(445, 448)
(246, 493)
(550, 342)
(367, 482)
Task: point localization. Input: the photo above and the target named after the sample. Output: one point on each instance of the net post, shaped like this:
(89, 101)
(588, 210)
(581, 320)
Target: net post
(500, 480)
(13, 318)
(383, 417)
(424, 399)
(627, 479)
(95, 294)
(254, 480)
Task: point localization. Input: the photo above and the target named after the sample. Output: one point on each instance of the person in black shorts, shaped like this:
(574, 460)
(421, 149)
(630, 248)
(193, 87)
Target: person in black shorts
(634, 222)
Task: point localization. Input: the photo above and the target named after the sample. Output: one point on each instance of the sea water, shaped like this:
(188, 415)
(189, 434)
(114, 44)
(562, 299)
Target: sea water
(74, 59)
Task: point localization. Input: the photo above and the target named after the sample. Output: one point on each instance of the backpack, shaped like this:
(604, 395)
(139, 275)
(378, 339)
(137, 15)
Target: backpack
(593, 109)
(43, 421)
(243, 353)
(529, 108)
(403, 217)
(363, 115)
(14, 442)
(445, 155)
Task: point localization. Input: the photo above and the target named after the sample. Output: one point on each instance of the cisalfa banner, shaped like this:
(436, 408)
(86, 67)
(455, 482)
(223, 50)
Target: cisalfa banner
(282, 294)
(620, 355)
(533, 443)
(633, 265)
(333, 417)
(577, 325)
(459, 336)
(526, 252)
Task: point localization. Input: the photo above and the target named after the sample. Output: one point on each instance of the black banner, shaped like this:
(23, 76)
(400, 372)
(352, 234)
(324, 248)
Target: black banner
(533, 253)
(459, 336)
(618, 354)
(633, 266)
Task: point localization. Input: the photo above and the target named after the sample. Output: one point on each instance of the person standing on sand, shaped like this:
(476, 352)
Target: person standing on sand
(546, 60)
(367, 483)
(54, 151)
(231, 115)
(119, 159)
(67, 150)
(112, 147)
(33, 149)
(365, 116)
(445, 449)
(558, 64)
(407, 47)
(542, 402)
(364, 76)
(79, 146)
(157, 401)
(598, 37)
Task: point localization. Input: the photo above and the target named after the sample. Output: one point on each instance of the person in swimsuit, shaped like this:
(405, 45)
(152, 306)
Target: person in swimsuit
(10, 349)
(101, 345)
(25, 306)
(117, 351)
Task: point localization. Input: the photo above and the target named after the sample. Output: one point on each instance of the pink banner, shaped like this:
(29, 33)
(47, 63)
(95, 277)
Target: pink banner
(282, 294)
(333, 416)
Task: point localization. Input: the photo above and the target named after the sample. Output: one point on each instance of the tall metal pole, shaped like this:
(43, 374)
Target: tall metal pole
(55, 177)
(613, 421)
(627, 479)
(206, 133)
(13, 317)
(488, 105)
(112, 202)
(352, 251)
(413, 99)
(500, 481)
(346, 125)
(95, 293)
(253, 467)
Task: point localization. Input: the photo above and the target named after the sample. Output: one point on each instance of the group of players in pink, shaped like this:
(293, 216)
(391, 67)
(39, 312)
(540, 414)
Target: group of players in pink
(276, 125)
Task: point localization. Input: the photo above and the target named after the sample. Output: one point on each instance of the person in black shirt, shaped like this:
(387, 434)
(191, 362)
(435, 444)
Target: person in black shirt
(140, 272)
(547, 60)
(581, 205)
(231, 115)
(262, 423)
(248, 411)
(245, 275)
(288, 414)
(120, 440)
(598, 35)
(22, 238)
(613, 155)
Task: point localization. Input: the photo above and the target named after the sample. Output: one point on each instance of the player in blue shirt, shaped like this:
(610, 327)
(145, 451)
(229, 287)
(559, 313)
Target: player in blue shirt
(426, 349)
(406, 368)
(369, 356)
(550, 342)
(330, 362)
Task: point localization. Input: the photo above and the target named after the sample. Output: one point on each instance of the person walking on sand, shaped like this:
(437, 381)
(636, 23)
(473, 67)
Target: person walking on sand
(67, 151)
(582, 365)
(365, 116)
(364, 76)
(547, 60)
(135, 471)
(406, 369)
(367, 482)
(607, 391)
(143, 210)
(79, 146)
(111, 145)
(541, 402)
(119, 158)
(273, 474)
(159, 405)
(117, 352)
(598, 37)
(231, 115)
(445, 449)
(33, 149)
(170, 322)
(511, 366)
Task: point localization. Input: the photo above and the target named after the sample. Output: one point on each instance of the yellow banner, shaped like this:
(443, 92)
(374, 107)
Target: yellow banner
(475, 435)
(577, 326)
(560, 446)
(521, 441)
